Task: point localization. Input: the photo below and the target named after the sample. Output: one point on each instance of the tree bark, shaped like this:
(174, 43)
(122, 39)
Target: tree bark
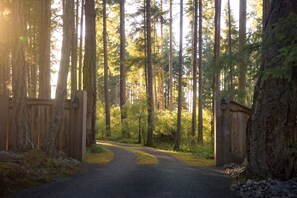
(170, 61)
(106, 84)
(81, 45)
(150, 95)
(230, 50)
(21, 127)
(242, 59)
(180, 70)
(89, 73)
(271, 147)
(74, 49)
(200, 107)
(45, 50)
(125, 133)
(194, 56)
(61, 91)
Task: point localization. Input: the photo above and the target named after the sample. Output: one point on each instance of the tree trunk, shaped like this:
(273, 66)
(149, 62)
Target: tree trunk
(74, 49)
(45, 50)
(21, 127)
(125, 133)
(194, 56)
(161, 69)
(89, 77)
(200, 108)
(106, 85)
(81, 45)
(230, 50)
(271, 147)
(150, 95)
(61, 91)
(217, 114)
(170, 61)
(242, 59)
(180, 70)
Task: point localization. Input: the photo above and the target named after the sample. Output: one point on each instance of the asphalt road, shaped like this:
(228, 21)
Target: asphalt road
(124, 178)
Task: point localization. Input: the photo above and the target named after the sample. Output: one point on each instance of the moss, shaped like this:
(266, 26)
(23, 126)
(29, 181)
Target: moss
(34, 168)
(103, 157)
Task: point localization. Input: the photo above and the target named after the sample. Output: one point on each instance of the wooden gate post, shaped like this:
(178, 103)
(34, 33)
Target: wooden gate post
(3, 121)
(222, 132)
(78, 116)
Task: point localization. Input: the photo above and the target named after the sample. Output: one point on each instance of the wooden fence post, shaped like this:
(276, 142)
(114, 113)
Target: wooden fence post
(78, 116)
(3, 121)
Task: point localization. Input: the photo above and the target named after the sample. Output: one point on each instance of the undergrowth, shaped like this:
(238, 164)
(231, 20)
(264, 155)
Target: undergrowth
(33, 168)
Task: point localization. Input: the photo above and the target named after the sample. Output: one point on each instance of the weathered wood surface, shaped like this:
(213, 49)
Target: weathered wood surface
(40, 112)
(239, 116)
(3, 121)
(72, 132)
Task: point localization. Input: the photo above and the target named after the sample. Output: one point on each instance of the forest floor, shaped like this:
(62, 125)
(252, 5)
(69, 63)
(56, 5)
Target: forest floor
(135, 171)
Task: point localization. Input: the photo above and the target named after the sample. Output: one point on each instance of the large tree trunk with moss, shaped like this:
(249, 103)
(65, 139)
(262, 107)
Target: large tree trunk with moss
(20, 127)
(90, 70)
(271, 131)
(61, 91)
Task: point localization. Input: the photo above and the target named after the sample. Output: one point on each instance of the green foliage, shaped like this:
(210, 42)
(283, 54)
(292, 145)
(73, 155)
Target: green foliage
(95, 148)
(283, 41)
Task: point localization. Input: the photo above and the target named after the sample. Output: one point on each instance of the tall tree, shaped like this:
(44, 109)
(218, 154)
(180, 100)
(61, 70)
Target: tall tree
(106, 85)
(89, 70)
(21, 127)
(74, 48)
(61, 91)
(170, 59)
(123, 69)
(271, 130)
(216, 84)
(230, 49)
(194, 57)
(242, 41)
(150, 97)
(200, 107)
(80, 63)
(45, 50)
(180, 70)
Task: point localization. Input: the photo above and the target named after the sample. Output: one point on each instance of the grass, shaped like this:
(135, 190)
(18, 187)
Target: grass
(186, 158)
(190, 160)
(97, 154)
(141, 156)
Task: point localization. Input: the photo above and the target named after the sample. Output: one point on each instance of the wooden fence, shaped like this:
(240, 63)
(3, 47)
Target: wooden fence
(72, 132)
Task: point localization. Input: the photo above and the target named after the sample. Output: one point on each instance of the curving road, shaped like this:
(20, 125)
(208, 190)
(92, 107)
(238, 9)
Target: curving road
(124, 178)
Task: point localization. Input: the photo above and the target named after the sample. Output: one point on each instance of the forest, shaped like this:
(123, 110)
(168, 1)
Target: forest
(155, 71)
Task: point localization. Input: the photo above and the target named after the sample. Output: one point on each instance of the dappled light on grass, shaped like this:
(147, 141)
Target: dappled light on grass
(99, 158)
(141, 156)
(189, 159)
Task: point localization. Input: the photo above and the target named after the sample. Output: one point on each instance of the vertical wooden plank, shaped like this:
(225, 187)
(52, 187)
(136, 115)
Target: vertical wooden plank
(11, 136)
(3, 121)
(77, 136)
(34, 120)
